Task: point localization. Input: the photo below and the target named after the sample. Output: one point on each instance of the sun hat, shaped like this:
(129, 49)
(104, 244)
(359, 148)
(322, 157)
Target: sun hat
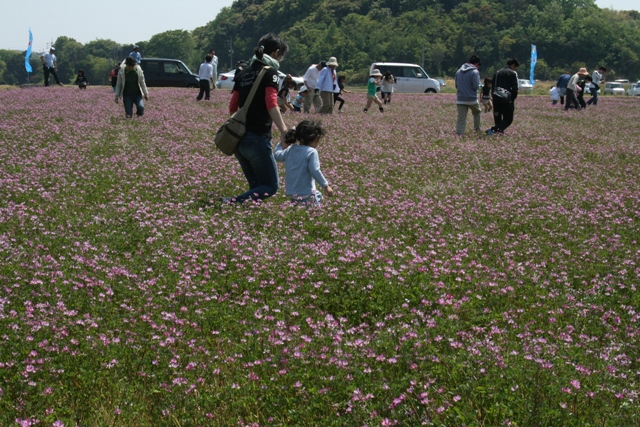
(333, 61)
(375, 72)
(583, 72)
(303, 88)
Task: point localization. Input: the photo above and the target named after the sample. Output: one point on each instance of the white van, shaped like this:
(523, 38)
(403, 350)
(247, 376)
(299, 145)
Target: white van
(410, 78)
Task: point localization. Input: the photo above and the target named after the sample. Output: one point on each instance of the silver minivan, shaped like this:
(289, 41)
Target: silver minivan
(410, 78)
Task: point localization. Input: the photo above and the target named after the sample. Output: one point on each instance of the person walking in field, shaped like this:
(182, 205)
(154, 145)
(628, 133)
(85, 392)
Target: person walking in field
(386, 87)
(81, 80)
(205, 73)
(562, 83)
(597, 78)
(505, 81)
(341, 90)
(311, 82)
(467, 84)
(302, 164)
(50, 66)
(573, 87)
(255, 150)
(136, 55)
(131, 87)
(372, 90)
(328, 85)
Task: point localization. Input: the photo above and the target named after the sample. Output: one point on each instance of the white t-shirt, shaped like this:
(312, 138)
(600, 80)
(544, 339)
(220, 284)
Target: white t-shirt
(206, 71)
(49, 59)
(311, 77)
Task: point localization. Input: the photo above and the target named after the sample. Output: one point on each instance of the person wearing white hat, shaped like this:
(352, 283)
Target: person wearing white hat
(50, 66)
(372, 90)
(328, 85)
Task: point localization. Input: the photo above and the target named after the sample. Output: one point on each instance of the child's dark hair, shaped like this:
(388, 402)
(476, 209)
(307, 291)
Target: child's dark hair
(342, 78)
(306, 132)
(81, 71)
(487, 81)
(268, 44)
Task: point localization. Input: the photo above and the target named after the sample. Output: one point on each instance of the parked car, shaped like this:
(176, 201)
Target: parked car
(225, 80)
(634, 90)
(166, 72)
(410, 78)
(525, 85)
(441, 81)
(613, 88)
(623, 81)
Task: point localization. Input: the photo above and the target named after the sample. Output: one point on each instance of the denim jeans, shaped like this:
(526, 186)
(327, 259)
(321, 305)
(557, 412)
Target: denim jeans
(255, 155)
(594, 97)
(128, 102)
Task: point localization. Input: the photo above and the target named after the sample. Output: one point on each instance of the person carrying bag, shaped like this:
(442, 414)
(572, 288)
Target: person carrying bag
(254, 151)
(232, 131)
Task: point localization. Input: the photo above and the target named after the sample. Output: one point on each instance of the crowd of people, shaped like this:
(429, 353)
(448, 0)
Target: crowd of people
(322, 90)
(573, 88)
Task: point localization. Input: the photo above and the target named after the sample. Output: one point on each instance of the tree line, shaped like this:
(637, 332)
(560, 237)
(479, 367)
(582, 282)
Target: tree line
(438, 34)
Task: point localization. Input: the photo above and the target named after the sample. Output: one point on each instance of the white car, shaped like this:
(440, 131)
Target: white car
(613, 88)
(634, 90)
(225, 80)
(410, 78)
(524, 85)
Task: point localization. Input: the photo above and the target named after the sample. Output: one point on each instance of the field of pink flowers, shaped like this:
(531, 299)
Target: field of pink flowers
(449, 282)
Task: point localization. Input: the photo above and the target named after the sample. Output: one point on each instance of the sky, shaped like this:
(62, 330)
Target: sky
(123, 21)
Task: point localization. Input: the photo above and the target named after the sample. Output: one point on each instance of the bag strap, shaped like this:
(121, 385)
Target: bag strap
(254, 88)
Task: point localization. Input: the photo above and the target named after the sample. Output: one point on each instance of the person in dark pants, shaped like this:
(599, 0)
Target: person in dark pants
(50, 66)
(507, 79)
(206, 78)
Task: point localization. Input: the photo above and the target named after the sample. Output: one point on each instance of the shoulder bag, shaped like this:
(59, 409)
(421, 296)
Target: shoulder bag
(232, 131)
(502, 94)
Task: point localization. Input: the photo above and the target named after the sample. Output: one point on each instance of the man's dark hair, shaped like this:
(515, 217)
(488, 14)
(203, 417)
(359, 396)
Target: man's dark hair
(130, 61)
(475, 59)
(513, 61)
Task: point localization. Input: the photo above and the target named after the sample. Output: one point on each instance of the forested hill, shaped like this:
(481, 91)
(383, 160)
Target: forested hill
(442, 34)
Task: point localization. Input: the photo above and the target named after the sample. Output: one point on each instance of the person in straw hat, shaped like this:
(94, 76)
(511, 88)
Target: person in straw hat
(328, 85)
(372, 88)
(572, 87)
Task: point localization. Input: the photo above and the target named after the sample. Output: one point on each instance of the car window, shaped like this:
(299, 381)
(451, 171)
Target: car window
(152, 66)
(171, 68)
(410, 72)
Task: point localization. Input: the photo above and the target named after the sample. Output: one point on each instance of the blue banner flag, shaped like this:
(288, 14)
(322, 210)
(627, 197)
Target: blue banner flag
(27, 64)
(534, 60)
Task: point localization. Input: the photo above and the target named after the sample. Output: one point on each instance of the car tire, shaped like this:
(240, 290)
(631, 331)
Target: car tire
(430, 90)
(192, 86)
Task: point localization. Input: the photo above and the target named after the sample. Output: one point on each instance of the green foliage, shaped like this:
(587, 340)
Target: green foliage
(177, 44)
